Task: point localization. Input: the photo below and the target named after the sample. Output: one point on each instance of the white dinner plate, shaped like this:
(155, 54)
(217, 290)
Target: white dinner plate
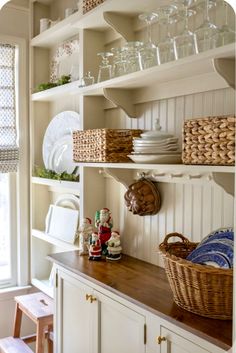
(68, 201)
(60, 127)
(154, 141)
(156, 158)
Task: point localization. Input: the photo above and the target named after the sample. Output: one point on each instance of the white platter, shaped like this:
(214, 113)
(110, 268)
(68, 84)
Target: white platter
(60, 158)
(58, 132)
(156, 158)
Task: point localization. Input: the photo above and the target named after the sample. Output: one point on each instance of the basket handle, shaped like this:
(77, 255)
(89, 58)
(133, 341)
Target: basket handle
(178, 235)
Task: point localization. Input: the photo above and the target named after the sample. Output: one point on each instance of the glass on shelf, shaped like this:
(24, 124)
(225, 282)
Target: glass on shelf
(166, 48)
(149, 53)
(119, 66)
(185, 43)
(104, 72)
(74, 72)
(133, 57)
(205, 34)
(226, 34)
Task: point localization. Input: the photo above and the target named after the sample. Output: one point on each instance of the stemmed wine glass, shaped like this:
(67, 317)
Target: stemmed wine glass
(206, 32)
(149, 51)
(166, 48)
(225, 35)
(104, 72)
(185, 44)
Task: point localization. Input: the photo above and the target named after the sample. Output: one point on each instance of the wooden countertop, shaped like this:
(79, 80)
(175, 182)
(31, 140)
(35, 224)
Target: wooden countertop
(145, 285)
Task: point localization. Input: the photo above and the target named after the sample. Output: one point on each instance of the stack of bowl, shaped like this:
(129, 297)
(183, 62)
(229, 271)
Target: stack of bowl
(156, 146)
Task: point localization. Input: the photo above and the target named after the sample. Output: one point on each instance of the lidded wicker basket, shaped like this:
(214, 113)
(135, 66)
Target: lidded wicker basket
(209, 141)
(103, 145)
(88, 5)
(200, 289)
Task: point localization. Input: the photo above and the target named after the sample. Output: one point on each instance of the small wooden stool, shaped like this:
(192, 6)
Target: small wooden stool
(39, 308)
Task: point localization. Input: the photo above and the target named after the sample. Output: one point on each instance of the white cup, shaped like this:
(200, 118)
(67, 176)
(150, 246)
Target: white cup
(44, 24)
(69, 11)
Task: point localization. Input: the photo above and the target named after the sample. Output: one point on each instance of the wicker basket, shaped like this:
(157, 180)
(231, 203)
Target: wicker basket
(200, 289)
(103, 145)
(88, 5)
(209, 141)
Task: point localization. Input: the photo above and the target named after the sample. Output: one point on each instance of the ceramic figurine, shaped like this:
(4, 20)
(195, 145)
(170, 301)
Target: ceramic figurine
(113, 247)
(104, 223)
(95, 249)
(85, 232)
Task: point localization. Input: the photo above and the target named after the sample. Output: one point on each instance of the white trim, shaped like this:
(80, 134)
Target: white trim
(10, 293)
(22, 182)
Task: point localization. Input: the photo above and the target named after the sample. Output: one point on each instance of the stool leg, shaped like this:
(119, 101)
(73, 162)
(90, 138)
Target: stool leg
(40, 337)
(50, 342)
(17, 321)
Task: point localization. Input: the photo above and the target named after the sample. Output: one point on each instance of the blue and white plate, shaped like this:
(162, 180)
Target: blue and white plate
(213, 259)
(222, 233)
(213, 247)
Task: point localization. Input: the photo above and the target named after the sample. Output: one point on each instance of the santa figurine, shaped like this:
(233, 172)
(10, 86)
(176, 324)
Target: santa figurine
(104, 223)
(95, 249)
(85, 232)
(113, 247)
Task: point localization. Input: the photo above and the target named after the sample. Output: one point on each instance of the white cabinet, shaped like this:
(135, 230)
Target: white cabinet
(170, 342)
(75, 317)
(89, 321)
(121, 329)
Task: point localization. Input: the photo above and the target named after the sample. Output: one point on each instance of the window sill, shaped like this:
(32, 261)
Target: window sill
(11, 292)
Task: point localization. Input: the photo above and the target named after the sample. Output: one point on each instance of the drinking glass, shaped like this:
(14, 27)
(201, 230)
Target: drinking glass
(104, 72)
(166, 49)
(133, 57)
(149, 51)
(119, 66)
(225, 35)
(206, 32)
(185, 44)
(74, 72)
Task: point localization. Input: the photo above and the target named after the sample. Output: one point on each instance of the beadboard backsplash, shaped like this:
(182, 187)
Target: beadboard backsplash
(193, 210)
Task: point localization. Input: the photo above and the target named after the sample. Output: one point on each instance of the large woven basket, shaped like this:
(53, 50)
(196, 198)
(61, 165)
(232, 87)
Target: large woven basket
(103, 145)
(209, 141)
(88, 5)
(200, 289)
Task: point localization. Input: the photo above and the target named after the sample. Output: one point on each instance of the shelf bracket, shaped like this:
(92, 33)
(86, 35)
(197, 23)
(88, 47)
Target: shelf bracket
(123, 176)
(225, 180)
(121, 23)
(122, 98)
(226, 69)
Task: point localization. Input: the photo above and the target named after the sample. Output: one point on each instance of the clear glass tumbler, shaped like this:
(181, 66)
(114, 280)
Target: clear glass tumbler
(104, 72)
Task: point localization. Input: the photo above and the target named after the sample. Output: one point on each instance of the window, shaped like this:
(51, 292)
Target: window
(13, 118)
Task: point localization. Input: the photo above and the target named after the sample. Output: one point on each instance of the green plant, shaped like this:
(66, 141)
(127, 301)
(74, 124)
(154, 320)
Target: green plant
(50, 174)
(63, 80)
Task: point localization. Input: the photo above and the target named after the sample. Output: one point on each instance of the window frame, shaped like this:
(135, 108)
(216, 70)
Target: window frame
(20, 181)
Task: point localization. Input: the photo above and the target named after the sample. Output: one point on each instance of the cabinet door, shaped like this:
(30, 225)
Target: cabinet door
(122, 330)
(74, 327)
(177, 344)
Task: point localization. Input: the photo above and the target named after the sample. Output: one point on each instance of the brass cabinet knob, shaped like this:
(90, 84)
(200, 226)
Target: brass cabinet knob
(160, 339)
(90, 298)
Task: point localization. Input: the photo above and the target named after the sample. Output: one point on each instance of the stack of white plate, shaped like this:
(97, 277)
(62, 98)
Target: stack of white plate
(156, 147)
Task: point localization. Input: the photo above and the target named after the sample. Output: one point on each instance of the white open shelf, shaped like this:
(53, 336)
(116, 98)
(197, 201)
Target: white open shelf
(54, 241)
(93, 19)
(185, 76)
(73, 185)
(43, 285)
(164, 167)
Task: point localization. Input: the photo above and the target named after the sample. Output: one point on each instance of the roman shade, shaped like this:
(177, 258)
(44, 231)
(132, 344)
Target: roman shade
(9, 151)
